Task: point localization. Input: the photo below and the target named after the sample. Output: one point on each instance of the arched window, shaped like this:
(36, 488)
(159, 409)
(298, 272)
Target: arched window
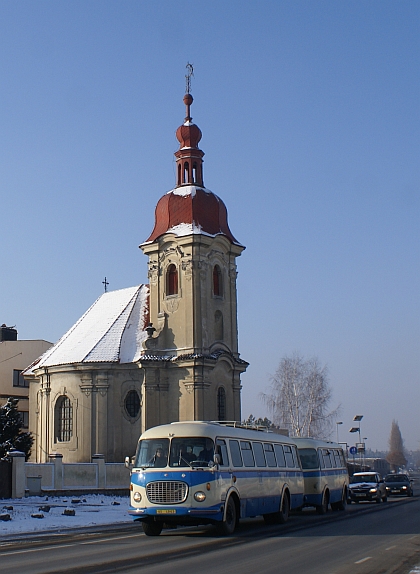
(171, 280)
(64, 419)
(217, 281)
(221, 404)
(179, 174)
(218, 326)
(194, 173)
(186, 172)
(132, 403)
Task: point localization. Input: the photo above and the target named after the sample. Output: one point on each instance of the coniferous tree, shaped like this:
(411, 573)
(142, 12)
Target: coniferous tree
(396, 456)
(258, 422)
(11, 434)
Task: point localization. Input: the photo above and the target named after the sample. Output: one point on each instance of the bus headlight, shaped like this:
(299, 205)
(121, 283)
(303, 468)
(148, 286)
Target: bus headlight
(137, 497)
(200, 496)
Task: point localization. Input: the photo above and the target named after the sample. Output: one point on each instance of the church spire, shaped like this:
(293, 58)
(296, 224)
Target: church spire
(189, 157)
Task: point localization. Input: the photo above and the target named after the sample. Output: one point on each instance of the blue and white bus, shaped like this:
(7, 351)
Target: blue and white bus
(325, 474)
(192, 473)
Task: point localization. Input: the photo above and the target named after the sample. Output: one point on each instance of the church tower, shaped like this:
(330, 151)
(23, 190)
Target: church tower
(191, 359)
(149, 354)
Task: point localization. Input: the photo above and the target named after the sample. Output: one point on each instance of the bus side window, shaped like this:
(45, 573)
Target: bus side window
(296, 457)
(278, 449)
(235, 452)
(259, 454)
(326, 458)
(337, 458)
(290, 463)
(343, 460)
(269, 455)
(247, 455)
(221, 449)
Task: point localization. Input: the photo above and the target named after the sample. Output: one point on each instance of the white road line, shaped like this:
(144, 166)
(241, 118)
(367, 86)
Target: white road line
(391, 547)
(54, 546)
(111, 539)
(364, 560)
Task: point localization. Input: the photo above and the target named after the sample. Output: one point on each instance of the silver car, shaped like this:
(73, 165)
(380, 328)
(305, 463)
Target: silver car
(366, 486)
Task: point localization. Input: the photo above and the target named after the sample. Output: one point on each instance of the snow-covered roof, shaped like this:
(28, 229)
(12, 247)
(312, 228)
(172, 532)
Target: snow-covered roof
(191, 210)
(112, 330)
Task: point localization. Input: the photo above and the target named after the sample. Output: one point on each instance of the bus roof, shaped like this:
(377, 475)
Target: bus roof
(306, 442)
(212, 430)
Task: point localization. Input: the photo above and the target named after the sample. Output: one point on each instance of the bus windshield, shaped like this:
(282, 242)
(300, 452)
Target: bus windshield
(309, 458)
(191, 451)
(182, 452)
(152, 453)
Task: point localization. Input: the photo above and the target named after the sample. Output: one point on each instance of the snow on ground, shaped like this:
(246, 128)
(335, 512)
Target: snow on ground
(88, 510)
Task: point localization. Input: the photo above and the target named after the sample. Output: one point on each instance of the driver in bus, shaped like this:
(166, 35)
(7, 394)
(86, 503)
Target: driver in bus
(207, 453)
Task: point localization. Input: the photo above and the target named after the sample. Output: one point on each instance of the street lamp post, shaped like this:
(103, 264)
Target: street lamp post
(338, 423)
(357, 419)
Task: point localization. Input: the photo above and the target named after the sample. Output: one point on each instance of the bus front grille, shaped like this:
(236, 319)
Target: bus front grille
(166, 492)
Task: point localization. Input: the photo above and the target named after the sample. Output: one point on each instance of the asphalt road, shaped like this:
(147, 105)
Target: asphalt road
(366, 539)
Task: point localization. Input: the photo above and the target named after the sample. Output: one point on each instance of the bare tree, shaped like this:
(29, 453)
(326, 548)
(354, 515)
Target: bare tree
(300, 397)
(396, 456)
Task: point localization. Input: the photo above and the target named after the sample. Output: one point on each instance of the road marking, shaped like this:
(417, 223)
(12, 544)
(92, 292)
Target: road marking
(111, 539)
(391, 547)
(69, 545)
(364, 560)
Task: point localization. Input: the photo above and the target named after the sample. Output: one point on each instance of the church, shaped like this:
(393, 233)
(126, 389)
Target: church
(154, 353)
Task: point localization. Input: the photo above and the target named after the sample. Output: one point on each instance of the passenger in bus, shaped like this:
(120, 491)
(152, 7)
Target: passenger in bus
(159, 458)
(207, 453)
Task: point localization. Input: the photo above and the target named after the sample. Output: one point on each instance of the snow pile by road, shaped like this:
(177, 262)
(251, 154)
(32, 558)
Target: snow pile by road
(38, 513)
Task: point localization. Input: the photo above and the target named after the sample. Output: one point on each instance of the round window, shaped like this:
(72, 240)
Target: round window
(132, 403)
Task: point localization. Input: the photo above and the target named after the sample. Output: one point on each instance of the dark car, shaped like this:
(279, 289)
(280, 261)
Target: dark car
(366, 486)
(398, 484)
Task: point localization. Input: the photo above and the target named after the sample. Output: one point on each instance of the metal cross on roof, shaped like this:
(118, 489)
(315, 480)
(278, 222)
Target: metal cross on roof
(188, 76)
(105, 284)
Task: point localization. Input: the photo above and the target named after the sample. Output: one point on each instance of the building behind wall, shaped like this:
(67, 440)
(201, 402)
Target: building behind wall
(155, 353)
(15, 356)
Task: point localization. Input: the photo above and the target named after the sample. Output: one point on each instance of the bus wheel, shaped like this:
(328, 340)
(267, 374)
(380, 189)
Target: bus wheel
(323, 507)
(152, 528)
(283, 515)
(341, 504)
(228, 525)
(279, 517)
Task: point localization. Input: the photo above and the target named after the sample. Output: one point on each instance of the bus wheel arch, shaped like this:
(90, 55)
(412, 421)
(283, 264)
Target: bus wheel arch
(230, 516)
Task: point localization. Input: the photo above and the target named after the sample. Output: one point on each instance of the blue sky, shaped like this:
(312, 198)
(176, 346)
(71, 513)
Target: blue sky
(310, 121)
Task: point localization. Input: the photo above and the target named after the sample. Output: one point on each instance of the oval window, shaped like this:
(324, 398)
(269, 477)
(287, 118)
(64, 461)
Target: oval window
(132, 403)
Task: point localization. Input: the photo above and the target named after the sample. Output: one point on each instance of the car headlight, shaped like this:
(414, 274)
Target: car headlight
(373, 490)
(404, 488)
(137, 497)
(199, 496)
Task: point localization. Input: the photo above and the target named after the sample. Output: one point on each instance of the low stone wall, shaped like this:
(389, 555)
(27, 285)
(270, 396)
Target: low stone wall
(56, 477)
(43, 470)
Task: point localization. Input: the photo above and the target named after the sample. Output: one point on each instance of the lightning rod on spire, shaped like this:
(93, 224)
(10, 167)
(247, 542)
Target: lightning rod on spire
(188, 76)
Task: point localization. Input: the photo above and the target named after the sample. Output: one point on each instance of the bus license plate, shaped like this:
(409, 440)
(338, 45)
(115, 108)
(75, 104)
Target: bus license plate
(168, 511)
